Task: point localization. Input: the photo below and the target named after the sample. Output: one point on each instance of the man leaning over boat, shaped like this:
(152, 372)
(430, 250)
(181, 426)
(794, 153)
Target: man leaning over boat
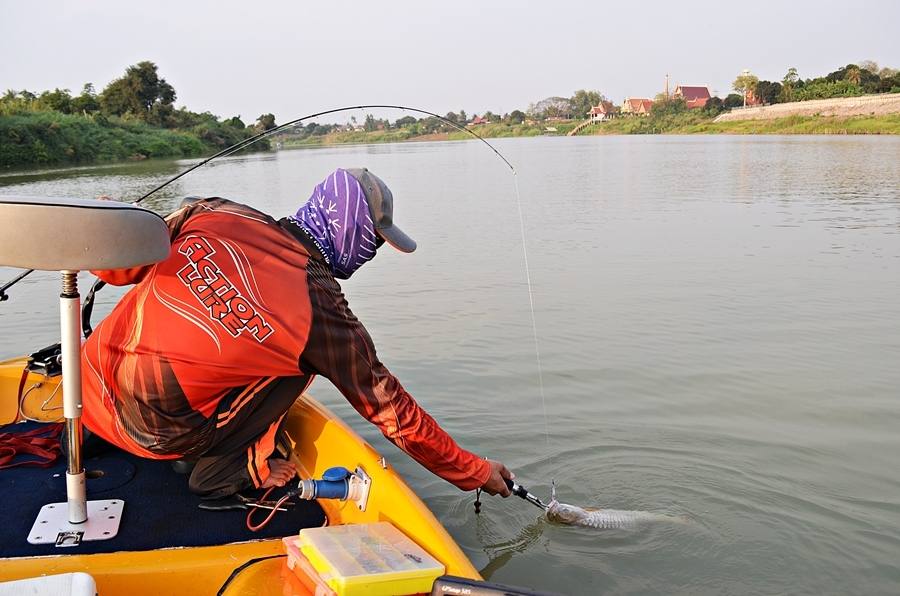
(202, 359)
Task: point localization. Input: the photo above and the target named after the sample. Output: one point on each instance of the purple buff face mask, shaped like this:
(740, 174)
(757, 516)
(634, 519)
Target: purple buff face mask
(337, 217)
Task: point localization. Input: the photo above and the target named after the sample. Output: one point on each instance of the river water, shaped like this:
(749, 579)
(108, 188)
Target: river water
(719, 327)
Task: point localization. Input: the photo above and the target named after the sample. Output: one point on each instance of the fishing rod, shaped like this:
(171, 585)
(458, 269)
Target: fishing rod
(250, 140)
(3, 295)
(516, 489)
(523, 493)
(266, 133)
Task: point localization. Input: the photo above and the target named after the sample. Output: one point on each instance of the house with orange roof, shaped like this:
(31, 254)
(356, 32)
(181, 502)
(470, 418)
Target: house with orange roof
(693, 96)
(639, 106)
(603, 111)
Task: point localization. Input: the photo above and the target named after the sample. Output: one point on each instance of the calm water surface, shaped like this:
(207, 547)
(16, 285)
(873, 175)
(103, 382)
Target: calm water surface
(719, 325)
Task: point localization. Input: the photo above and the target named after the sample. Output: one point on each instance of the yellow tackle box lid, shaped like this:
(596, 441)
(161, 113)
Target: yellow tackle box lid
(374, 559)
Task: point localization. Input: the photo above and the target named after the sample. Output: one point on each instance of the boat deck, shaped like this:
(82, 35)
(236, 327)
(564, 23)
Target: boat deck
(160, 511)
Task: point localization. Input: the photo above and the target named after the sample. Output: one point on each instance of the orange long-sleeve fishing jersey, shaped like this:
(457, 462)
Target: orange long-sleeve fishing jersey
(240, 298)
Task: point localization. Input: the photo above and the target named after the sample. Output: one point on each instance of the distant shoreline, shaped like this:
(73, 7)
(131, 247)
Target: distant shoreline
(680, 124)
(864, 125)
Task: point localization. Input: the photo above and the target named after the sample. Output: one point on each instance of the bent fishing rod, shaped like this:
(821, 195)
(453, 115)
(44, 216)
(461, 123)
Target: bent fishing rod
(515, 489)
(266, 133)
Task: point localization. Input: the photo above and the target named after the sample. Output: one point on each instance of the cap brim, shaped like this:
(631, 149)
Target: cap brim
(397, 238)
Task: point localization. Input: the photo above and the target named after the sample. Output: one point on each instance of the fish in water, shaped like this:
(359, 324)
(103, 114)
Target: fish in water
(604, 519)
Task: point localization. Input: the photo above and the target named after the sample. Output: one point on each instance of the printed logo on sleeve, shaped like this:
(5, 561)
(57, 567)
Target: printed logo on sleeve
(213, 290)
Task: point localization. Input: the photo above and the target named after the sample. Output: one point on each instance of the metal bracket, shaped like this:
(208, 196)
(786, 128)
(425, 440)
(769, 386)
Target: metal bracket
(364, 482)
(52, 525)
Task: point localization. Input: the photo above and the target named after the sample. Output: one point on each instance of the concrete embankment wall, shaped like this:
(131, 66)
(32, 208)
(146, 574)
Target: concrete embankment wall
(842, 107)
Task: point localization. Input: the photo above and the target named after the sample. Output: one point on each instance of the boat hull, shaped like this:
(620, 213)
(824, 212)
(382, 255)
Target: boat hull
(320, 440)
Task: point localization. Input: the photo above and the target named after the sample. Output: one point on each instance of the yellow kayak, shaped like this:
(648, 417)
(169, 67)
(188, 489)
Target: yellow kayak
(320, 441)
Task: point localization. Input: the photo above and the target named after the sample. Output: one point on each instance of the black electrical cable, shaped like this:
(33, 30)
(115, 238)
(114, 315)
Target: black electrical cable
(88, 308)
(237, 571)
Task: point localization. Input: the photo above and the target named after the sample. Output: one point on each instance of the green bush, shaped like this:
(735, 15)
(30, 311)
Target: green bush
(822, 89)
(39, 138)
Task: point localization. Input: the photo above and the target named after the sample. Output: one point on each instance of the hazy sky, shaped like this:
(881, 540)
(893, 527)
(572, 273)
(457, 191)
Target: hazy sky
(291, 58)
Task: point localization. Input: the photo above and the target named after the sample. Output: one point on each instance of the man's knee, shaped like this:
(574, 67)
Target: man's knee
(216, 477)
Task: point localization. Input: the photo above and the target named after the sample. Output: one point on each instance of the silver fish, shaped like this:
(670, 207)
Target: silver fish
(604, 519)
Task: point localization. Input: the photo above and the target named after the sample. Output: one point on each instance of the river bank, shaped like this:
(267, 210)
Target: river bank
(686, 123)
(50, 138)
(881, 104)
(878, 125)
(46, 139)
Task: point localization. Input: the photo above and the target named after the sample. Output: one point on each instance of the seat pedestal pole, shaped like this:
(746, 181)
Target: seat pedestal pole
(77, 520)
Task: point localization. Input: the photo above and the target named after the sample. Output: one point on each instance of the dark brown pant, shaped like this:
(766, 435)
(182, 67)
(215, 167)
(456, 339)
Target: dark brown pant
(246, 425)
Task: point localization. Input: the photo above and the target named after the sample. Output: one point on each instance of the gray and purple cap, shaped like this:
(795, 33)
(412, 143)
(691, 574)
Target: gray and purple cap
(346, 214)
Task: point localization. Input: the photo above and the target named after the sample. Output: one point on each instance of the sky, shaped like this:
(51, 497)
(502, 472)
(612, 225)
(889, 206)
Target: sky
(293, 58)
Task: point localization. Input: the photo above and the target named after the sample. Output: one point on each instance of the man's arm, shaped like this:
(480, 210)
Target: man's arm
(339, 348)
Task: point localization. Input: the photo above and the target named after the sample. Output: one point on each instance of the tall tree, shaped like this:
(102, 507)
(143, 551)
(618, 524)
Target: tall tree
(552, 107)
(714, 105)
(265, 122)
(869, 65)
(58, 100)
(732, 101)
(583, 101)
(768, 92)
(744, 83)
(137, 92)
(788, 84)
(235, 122)
(87, 102)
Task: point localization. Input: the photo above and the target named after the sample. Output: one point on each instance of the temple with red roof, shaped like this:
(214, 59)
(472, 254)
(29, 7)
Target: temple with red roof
(603, 111)
(694, 97)
(637, 105)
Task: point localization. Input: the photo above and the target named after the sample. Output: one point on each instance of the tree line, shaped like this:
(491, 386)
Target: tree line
(864, 78)
(132, 117)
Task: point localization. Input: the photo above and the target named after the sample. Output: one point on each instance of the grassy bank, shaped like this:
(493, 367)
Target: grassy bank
(876, 125)
(491, 131)
(45, 138)
(49, 138)
(698, 123)
(679, 123)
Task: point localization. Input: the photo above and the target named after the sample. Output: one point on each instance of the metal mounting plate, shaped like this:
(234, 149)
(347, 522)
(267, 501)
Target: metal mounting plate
(52, 523)
(365, 484)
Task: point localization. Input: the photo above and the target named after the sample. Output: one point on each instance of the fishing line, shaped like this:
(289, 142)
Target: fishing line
(537, 345)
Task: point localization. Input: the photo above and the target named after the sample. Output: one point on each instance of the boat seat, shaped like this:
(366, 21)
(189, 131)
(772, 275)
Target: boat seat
(63, 234)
